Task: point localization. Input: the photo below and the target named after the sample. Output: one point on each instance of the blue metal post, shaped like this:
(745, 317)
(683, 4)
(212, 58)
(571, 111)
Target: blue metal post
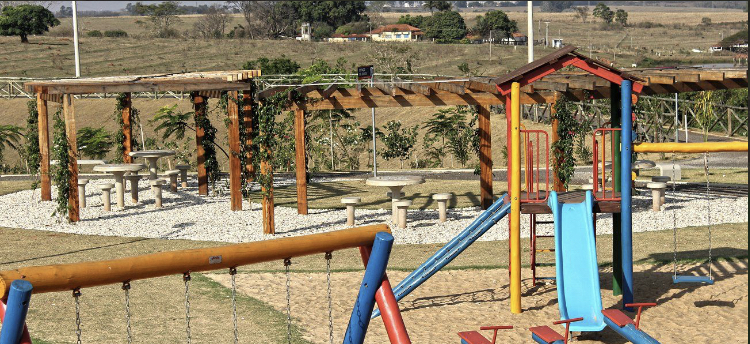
(626, 215)
(15, 314)
(360, 319)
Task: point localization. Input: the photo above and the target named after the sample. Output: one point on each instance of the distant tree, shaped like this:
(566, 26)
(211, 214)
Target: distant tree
(495, 20)
(25, 20)
(437, 5)
(604, 12)
(621, 17)
(582, 12)
(556, 6)
(322, 30)
(94, 142)
(65, 12)
(333, 13)
(706, 21)
(279, 65)
(353, 28)
(737, 37)
(415, 21)
(266, 19)
(461, 4)
(398, 142)
(163, 16)
(445, 26)
(213, 23)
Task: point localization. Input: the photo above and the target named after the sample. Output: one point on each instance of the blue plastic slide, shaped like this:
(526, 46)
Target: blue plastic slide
(451, 250)
(578, 292)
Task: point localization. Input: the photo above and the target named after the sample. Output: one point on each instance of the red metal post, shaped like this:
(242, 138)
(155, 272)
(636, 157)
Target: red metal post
(388, 306)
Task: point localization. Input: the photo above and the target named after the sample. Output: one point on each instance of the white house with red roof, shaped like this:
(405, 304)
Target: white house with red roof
(396, 33)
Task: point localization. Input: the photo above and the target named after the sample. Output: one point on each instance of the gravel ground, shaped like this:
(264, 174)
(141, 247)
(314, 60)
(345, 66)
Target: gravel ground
(187, 216)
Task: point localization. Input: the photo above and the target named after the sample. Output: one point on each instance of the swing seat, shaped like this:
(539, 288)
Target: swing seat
(473, 337)
(692, 279)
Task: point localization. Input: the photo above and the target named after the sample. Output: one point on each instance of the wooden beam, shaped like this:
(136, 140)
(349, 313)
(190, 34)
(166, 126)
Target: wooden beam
(451, 87)
(736, 74)
(70, 131)
(414, 87)
(385, 88)
(233, 133)
(267, 205)
(687, 77)
(712, 76)
(300, 161)
(485, 157)
(410, 100)
(328, 91)
(143, 86)
(247, 123)
(269, 92)
(57, 98)
(661, 79)
(200, 105)
(550, 85)
(481, 85)
(210, 94)
(127, 130)
(303, 90)
(43, 126)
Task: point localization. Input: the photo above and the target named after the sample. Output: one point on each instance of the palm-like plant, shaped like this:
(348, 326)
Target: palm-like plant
(173, 123)
(444, 123)
(10, 136)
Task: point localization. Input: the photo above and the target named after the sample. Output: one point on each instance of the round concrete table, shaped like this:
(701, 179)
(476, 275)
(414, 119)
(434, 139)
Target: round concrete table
(151, 157)
(118, 170)
(395, 183)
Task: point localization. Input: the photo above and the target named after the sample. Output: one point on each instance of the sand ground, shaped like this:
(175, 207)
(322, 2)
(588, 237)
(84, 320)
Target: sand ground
(461, 300)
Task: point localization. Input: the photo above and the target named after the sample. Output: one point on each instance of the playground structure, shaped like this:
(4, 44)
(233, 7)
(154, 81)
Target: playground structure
(374, 243)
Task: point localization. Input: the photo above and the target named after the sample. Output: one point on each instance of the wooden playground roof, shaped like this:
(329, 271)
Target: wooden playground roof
(541, 81)
(211, 82)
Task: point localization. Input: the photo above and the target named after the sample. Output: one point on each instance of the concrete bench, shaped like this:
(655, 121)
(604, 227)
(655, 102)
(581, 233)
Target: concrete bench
(82, 192)
(183, 174)
(657, 194)
(442, 201)
(106, 192)
(172, 175)
(133, 181)
(156, 189)
(666, 170)
(350, 203)
(402, 206)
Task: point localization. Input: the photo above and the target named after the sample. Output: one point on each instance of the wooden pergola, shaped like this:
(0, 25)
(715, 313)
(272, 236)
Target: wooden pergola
(584, 79)
(201, 85)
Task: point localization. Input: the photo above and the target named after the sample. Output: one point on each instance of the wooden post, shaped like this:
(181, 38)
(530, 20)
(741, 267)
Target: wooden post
(127, 130)
(235, 170)
(199, 104)
(267, 203)
(70, 132)
(485, 156)
(300, 160)
(247, 121)
(43, 125)
(557, 184)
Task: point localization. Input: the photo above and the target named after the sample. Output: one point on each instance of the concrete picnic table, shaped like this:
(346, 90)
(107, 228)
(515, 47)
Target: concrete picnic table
(395, 183)
(118, 170)
(151, 157)
(83, 162)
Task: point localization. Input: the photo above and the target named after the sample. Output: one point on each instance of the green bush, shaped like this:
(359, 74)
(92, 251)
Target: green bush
(115, 33)
(445, 26)
(278, 65)
(94, 33)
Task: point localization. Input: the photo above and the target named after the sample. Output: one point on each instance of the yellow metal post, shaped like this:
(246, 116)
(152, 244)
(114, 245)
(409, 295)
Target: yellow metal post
(515, 199)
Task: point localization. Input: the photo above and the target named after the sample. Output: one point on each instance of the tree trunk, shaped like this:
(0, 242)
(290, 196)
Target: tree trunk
(24, 39)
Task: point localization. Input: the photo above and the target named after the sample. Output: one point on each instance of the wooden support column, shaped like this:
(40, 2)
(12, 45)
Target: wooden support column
(235, 170)
(485, 156)
(557, 184)
(266, 168)
(70, 132)
(199, 104)
(43, 125)
(300, 161)
(247, 121)
(127, 130)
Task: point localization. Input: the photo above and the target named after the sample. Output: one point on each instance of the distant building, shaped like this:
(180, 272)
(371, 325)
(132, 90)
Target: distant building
(557, 43)
(355, 37)
(396, 33)
(305, 34)
(515, 38)
(715, 48)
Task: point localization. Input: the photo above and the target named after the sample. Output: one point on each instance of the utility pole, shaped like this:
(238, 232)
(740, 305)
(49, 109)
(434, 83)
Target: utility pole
(546, 34)
(530, 39)
(75, 40)
(490, 45)
(374, 144)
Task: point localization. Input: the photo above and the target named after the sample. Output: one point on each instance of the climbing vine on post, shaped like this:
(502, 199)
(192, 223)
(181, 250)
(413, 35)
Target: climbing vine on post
(208, 144)
(31, 152)
(563, 148)
(120, 104)
(61, 174)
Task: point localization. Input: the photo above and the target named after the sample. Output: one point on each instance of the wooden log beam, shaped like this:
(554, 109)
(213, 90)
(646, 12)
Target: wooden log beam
(303, 90)
(300, 161)
(43, 126)
(247, 123)
(140, 86)
(482, 85)
(70, 132)
(235, 170)
(269, 92)
(199, 106)
(127, 130)
(451, 87)
(328, 91)
(711, 76)
(550, 86)
(385, 88)
(485, 157)
(57, 98)
(661, 79)
(267, 205)
(414, 87)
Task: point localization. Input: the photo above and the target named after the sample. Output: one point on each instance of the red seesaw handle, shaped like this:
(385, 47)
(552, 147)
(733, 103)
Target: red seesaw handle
(566, 321)
(500, 327)
(640, 308)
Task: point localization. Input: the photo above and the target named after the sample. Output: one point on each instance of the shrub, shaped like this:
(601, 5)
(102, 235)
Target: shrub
(279, 65)
(115, 33)
(94, 33)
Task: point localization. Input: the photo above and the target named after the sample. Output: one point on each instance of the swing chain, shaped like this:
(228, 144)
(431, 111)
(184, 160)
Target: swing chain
(233, 273)
(186, 279)
(77, 295)
(287, 263)
(708, 214)
(126, 288)
(674, 219)
(329, 256)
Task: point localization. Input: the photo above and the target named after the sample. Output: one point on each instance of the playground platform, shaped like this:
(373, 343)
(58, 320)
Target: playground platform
(566, 197)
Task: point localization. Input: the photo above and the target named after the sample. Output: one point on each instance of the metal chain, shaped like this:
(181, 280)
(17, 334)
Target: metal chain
(674, 219)
(329, 255)
(77, 295)
(233, 273)
(708, 213)
(287, 263)
(126, 288)
(186, 279)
